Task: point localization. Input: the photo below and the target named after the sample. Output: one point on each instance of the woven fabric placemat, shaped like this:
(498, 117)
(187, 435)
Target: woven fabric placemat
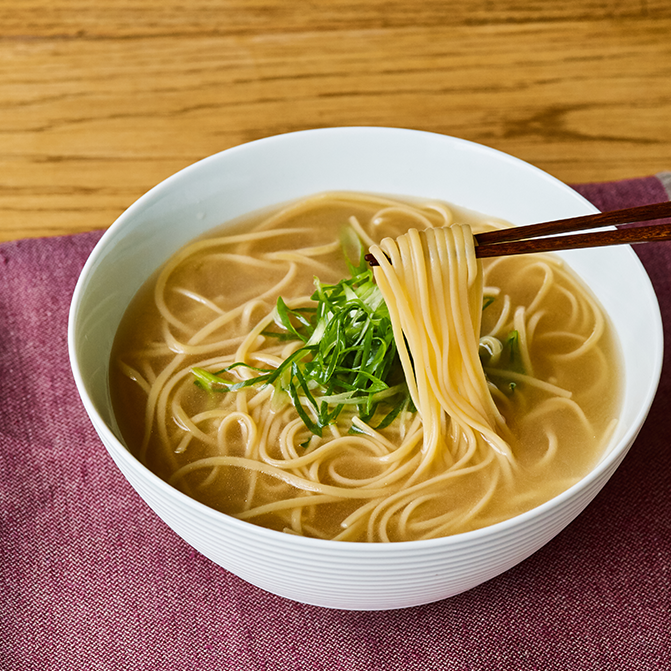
(92, 579)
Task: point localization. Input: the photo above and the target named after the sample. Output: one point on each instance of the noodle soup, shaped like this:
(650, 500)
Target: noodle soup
(451, 440)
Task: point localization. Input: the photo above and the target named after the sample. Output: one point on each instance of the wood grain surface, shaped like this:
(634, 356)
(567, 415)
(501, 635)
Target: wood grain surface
(100, 101)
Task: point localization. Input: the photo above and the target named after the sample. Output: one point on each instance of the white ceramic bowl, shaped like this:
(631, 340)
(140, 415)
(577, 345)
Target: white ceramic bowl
(252, 176)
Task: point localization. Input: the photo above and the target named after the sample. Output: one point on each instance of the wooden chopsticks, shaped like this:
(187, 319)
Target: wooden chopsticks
(529, 239)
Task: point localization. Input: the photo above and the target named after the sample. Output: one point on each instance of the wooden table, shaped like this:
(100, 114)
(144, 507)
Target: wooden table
(99, 101)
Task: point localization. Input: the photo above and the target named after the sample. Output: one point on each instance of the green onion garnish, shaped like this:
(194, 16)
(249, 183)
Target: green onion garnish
(348, 358)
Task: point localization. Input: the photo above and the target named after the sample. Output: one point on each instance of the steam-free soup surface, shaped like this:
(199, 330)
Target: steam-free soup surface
(547, 355)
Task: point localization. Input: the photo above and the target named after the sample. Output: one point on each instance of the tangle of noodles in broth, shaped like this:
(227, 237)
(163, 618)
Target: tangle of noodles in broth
(510, 364)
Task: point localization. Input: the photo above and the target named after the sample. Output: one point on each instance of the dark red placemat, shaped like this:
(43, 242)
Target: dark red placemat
(92, 579)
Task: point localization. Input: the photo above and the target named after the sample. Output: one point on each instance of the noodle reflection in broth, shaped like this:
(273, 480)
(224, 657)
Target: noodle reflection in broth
(504, 392)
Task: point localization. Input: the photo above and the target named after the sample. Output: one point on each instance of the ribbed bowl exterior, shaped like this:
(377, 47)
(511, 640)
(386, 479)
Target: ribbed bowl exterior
(353, 576)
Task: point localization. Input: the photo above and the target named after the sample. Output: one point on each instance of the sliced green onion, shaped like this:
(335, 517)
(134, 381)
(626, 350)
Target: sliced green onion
(348, 358)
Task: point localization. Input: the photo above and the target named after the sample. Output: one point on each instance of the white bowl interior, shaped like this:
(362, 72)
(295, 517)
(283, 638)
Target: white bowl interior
(392, 161)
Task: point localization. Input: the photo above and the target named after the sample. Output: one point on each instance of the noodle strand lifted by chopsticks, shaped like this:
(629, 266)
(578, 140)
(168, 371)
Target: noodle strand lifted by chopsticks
(433, 290)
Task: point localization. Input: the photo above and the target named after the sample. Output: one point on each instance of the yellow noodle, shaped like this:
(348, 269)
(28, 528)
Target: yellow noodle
(457, 463)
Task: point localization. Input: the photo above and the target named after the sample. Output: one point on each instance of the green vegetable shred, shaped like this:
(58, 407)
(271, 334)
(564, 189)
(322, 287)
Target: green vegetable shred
(347, 359)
